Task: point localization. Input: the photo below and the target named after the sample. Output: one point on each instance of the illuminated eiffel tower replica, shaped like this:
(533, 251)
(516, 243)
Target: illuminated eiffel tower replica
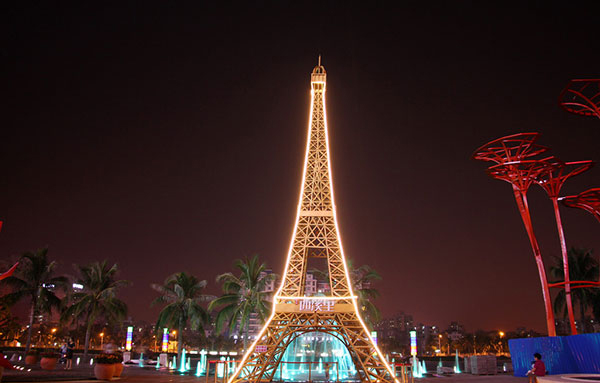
(315, 235)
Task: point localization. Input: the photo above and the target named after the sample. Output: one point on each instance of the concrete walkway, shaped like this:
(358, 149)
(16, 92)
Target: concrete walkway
(134, 374)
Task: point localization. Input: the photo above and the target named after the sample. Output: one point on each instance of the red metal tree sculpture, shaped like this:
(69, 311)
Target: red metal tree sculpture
(510, 153)
(588, 200)
(581, 97)
(12, 269)
(551, 179)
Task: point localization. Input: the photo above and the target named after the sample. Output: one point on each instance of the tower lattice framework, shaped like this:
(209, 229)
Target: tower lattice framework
(315, 235)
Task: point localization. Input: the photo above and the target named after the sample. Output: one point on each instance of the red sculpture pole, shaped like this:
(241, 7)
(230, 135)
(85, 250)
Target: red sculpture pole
(552, 180)
(581, 97)
(510, 153)
(12, 269)
(521, 174)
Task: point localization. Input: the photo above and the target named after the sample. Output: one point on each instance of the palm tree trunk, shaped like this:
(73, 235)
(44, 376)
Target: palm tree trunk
(31, 316)
(88, 332)
(246, 331)
(180, 343)
(582, 311)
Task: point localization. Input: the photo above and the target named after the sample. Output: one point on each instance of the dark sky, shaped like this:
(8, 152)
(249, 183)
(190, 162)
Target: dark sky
(171, 138)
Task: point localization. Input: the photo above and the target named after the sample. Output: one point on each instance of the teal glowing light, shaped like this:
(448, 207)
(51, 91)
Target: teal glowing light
(309, 353)
(182, 367)
(221, 367)
(456, 364)
(158, 363)
(201, 369)
(141, 360)
(416, 368)
(174, 365)
(423, 368)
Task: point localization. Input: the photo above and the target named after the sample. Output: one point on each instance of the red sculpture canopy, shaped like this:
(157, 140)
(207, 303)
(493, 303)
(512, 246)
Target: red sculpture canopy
(515, 147)
(588, 200)
(581, 97)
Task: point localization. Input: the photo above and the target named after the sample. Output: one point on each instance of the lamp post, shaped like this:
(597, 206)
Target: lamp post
(101, 340)
(501, 334)
(440, 342)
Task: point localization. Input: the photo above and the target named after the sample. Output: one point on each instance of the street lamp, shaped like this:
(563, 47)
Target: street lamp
(440, 342)
(101, 339)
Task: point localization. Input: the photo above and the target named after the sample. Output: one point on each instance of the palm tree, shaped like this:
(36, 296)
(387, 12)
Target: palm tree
(97, 299)
(582, 267)
(35, 280)
(243, 296)
(361, 279)
(361, 284)
(183, 294)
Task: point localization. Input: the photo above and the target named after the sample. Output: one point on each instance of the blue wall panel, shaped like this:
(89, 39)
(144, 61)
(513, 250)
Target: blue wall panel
(561, 354)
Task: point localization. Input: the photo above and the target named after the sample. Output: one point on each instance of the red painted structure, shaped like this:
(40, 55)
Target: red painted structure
(511, 155)
(588, 200)
(12, 269)
(514, 163)
(581, 97)
(552, 180)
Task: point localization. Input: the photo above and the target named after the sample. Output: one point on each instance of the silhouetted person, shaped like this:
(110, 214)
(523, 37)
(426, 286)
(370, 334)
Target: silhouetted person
(537, 369)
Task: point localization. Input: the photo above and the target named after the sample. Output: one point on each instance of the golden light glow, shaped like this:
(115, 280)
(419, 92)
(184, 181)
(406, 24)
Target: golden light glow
(53, 330)
(284, 298)
(501, 333)
(320, 79)
(101, 334)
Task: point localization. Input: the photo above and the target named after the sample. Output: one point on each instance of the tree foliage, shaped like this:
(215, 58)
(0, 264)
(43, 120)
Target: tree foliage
(243, 295)
(183, 297)
(34, 280)
(97, 299)
(582, 267)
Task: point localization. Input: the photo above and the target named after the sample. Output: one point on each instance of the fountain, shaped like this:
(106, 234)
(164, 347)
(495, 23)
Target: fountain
(221, 367)
(141, 362)
(202, 362)
(183, 360)
(317, 348)
(423, 368)
(416, 367)
(174, 365)
(158, 362)
(456, 364)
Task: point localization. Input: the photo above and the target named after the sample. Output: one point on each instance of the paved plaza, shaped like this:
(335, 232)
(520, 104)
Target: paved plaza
(134, 374)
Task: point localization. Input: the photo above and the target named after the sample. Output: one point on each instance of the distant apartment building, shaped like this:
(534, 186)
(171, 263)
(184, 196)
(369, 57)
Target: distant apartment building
(255, 324)
(395, 332)
(455, 331)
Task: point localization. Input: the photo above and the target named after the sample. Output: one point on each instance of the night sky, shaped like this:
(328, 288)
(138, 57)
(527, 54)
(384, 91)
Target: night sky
(171, 138)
